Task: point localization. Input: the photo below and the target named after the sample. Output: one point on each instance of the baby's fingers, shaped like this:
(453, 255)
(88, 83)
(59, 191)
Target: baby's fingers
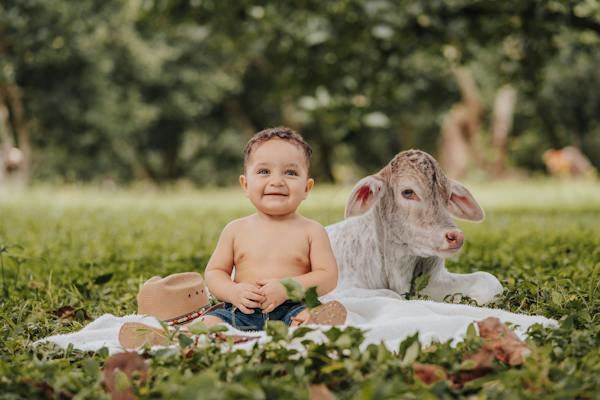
(245, 310)
(259, 297)
(250, 303)
(269, 308)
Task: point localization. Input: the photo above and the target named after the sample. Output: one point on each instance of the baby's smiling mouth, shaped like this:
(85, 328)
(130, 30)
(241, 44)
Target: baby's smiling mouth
(275, 194)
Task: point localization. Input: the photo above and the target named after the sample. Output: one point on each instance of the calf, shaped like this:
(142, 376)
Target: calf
(398, 226)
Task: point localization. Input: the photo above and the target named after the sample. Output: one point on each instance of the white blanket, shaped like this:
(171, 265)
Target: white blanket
(383, 314)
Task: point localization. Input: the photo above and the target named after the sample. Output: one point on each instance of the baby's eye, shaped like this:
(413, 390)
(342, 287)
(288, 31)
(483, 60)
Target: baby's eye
(262, 171)
(291, 172)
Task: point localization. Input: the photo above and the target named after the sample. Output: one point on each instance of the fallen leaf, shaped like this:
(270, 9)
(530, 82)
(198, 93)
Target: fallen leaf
(64, 312)
(502, 341)
(479, 360)
(429, 373)
(122, 366)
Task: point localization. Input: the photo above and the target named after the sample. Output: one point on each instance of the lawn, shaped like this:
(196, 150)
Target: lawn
(90, 249)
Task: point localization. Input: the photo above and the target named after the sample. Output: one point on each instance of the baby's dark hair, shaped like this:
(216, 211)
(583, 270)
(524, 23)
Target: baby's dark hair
(280, 132)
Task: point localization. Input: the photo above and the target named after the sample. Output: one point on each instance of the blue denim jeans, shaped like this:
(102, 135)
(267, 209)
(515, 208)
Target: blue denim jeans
(256, 321)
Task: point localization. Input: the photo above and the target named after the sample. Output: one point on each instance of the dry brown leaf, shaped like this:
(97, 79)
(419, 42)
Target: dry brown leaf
(503, 342)
(127, 363)
(64, 312)
(429, 373)
(500, 343)
(482, 359)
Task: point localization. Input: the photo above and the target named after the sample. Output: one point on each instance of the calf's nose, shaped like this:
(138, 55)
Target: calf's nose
(455, 239)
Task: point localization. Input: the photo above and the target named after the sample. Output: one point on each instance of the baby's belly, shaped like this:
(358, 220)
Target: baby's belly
(252, 274)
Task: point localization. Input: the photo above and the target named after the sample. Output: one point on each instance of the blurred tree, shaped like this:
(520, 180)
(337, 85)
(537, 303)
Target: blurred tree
(170, 89)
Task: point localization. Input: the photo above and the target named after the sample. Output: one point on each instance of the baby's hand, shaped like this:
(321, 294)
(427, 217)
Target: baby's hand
(274, 294)
(246, 297)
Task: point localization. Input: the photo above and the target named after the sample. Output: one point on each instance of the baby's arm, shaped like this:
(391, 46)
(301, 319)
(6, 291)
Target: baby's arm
(323, 274)
(324, 271)
(218, 276)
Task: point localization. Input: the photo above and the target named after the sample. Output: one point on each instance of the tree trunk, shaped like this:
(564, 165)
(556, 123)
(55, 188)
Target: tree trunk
(460, 145)
(504, 107)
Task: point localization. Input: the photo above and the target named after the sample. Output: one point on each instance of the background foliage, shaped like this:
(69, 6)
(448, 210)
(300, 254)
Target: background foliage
(171, 89)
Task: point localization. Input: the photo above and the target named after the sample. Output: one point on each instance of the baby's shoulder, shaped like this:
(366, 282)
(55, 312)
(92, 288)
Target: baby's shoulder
(312, 227)
(237, 225)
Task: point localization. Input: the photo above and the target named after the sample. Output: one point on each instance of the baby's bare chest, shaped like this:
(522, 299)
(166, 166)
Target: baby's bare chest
(272, 247)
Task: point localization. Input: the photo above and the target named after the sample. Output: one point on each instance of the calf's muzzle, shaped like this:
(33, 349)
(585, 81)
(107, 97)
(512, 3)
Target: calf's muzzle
(454, 239)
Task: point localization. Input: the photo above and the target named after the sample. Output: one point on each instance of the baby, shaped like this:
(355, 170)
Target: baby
(274, 243)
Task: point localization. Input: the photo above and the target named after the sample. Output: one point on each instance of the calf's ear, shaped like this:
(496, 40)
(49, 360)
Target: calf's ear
(463, 205)
(366, 193)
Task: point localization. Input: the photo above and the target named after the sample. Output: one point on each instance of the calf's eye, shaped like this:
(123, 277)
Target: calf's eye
(409, 194)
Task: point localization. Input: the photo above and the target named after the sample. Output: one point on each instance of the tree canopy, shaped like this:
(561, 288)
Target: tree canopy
(172, 89)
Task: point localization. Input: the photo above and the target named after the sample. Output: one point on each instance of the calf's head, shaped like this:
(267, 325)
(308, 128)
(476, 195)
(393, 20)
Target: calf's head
(414, 201)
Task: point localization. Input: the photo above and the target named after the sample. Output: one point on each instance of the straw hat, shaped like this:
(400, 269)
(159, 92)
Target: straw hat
(175, 299)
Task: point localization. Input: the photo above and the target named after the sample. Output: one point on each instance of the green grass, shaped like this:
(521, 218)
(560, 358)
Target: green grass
(91, 249)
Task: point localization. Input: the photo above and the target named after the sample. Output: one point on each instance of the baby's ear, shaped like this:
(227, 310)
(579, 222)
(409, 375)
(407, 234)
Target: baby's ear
(310, 184)
(244, 184)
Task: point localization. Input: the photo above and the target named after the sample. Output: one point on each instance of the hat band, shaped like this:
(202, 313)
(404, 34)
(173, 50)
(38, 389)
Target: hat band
(187, 317)
(192, 315)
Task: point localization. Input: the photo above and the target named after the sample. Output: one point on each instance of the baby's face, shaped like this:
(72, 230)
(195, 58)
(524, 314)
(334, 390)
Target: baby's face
(276, 179)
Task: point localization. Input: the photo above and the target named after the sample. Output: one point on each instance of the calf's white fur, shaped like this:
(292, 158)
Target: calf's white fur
(398, 226)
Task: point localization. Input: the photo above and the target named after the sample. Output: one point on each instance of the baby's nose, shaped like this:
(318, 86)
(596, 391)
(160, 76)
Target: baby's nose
(277, 181)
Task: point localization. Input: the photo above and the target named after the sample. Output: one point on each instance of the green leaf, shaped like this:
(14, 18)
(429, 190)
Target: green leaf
(333, 333)
(278, 330)
(311, 299)
(121, 381)
(198, 327)
(421, 282)
(294, 289)
(556, 297)
(411, 354)
(184, 340)
(471, 331)
(334, 366)
(218, 328)
(103, 352)
(344, 341)
(301, 331)
(468, 365)
(410, 348)
(91, 367)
